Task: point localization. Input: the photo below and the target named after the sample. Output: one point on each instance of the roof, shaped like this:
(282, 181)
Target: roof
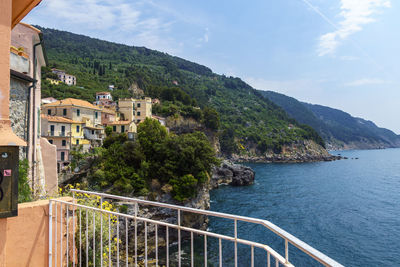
(72, 102)
(120, 123)
(21, 76)
(157, 117)
(93, 128)
(107, 110)
(30, 26)
(103, 93)
(60, 119)
(20, 8)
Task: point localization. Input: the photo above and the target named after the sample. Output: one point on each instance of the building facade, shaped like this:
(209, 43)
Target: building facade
(25, 99)
(74, 109)
(104, 99)
(65, 77)
(135, 110)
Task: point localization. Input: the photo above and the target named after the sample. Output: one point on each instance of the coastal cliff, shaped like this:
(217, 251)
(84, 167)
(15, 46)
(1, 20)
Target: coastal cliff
(299, 151)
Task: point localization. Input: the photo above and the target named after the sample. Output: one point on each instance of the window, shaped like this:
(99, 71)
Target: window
(114, 128)
(77, 141)
(50, 141)
(64, 143)
(138, 105)
(64, 112)
(78, 112)
(49, 112)
(51, 129)
(138, 113)
(96, 114)
(77, 129)
(92, 131)
(62, 130)
(62, 156)
(122, 128)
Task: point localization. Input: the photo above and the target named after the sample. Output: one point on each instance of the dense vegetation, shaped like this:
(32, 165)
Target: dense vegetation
(155, 159)
(228, 105)
(335, 126)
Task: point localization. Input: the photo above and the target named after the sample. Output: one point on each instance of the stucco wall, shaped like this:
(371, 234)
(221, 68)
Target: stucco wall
(25, 239)
(49, 158)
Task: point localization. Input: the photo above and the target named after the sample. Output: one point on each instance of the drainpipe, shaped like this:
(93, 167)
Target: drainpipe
(28, 116)
(34, 111)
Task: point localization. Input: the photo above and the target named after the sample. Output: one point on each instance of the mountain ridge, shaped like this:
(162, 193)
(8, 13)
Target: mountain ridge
(339, 129)
(249, 123)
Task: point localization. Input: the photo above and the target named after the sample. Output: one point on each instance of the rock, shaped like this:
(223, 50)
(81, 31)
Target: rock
(231, 174)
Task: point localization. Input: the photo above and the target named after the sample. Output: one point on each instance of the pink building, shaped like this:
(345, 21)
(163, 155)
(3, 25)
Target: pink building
(104, 99)
(108, 116)
(26, 38)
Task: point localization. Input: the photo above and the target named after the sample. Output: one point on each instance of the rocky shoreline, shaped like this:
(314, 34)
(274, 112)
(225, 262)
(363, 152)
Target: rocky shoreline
(302, 151)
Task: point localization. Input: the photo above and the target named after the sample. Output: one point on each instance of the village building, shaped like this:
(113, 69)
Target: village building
(53, 81)
(74, 109)
(123, 127)
(86, 130)
(135, 109)
(94, 135)
(64, 77)
(48, 100)
(161, 120)
(108, 116)
(104, 99)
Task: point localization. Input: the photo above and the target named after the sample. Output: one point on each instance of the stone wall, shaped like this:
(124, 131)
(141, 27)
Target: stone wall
(18, 109)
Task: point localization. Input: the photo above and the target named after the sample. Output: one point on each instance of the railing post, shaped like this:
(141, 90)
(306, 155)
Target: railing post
(50, 233)
(235, 232)
(286, 251)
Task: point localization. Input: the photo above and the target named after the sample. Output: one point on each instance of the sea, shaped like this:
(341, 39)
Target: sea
(347, 209)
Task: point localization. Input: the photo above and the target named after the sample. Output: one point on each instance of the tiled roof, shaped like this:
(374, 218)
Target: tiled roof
(107, 110)
(72, 102)
(120, 123)
(93, 128)
(103, 93)
(59, 119)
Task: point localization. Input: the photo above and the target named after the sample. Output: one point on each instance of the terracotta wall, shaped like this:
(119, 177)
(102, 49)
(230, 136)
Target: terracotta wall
(25, 239)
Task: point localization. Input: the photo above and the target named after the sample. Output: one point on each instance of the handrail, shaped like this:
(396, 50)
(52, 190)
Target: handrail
(314, 253)
(188, 229)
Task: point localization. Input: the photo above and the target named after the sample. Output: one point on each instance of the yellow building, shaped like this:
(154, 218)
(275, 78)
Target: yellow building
(77, 136)
(123, 126)
(74, 109)
(53, 81)
(135, 109)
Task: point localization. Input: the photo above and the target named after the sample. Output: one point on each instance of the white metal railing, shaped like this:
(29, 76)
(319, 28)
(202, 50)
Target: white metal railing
(78, 212)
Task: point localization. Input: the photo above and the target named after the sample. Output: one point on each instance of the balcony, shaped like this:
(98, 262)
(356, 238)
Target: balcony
(87, 232)
(57, 134)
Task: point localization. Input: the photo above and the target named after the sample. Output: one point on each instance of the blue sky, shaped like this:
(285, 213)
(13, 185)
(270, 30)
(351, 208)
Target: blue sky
(339, 53)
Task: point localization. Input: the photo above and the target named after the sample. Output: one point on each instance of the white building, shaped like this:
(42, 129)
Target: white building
(64, 77)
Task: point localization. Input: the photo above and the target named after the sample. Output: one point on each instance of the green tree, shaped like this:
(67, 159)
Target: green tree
(211, 118)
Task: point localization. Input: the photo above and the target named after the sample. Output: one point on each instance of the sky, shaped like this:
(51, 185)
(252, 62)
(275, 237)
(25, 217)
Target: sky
(339, 53)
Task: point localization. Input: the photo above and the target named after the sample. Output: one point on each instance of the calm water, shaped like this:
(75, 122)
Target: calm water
(347, 209)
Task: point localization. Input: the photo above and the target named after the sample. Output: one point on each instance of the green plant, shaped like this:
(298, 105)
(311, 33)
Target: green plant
(24, 190)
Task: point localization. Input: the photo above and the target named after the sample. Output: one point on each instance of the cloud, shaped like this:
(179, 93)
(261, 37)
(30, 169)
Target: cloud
(124, 21)
(366, 81)
(355, 14)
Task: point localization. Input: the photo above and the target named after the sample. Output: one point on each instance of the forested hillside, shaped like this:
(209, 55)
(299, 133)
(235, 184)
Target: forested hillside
(339, 129)
(244, 119)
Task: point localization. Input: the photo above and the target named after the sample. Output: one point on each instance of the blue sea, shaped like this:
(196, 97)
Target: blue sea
(347, 209)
